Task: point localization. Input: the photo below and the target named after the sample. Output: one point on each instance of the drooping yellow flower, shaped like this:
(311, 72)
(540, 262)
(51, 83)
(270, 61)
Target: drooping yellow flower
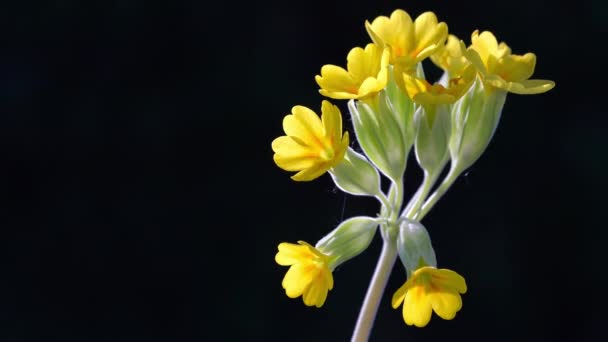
(450, 57)
(309, 275)
(430, 289)
(312, 145)
(424, 93)
(501, 69)
(410, 42)
(366, 76)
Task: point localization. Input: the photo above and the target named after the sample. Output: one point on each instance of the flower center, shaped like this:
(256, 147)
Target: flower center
(327, 154)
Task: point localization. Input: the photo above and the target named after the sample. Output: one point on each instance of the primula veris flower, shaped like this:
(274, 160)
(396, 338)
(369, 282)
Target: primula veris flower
(424, 93)
(450, 57)
(410, 41)
(501, 69)
(367, 74)
(309, 275)
(312, 145)
(430, 289)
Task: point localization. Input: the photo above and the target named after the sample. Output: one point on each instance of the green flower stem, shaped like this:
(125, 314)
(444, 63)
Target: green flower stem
(415, 210)
(384, 267)
(441, 190)
(367, 315)
(427, 184)
(398, 202)
(383, 200)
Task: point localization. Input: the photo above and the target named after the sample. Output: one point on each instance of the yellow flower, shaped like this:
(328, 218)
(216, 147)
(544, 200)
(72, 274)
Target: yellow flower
(309, 275)
(450, 57)
(312, 145)
(501, 69)
(410, 42)
(367, 74)
(430, 289)
(424, 93)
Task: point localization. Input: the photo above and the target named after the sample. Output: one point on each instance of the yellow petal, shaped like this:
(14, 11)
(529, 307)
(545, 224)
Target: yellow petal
(331, 119)
(291, 146)
(297, 279)
(445, 303)
(359, 63)
(316, 293)
(485, 44)
(329, 278)
(417, 308)
(334, 80)
(338, 95)
(369, 86)
(396, 32)
(294, 163)
(526, 87)
(292, 156)
(514, 68)
(311, 173)
(399, 295)
(446, 278)
(430, 35)
(531, 87)
(303, 124)
(414, 86)
(473, 56)
(290, 254)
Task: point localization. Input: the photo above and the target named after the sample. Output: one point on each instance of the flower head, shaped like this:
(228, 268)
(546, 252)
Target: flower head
(501, 69)
(366, 76)
(309, 275)
(312, 145)
(410, 41)
(430, 289)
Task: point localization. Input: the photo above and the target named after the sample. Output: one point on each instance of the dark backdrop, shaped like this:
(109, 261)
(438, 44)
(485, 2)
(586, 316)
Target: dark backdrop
(140, 201)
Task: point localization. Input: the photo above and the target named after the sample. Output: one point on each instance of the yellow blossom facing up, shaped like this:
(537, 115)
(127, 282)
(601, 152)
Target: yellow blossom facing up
(410, 41)
(312, 145)
(309, 275)
(424, 93)
(430, 289)
(367, 74)
(450, 57)
(501, 69)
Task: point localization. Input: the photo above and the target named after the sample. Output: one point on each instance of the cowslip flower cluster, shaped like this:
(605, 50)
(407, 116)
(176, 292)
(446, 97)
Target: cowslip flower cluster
(394, 109)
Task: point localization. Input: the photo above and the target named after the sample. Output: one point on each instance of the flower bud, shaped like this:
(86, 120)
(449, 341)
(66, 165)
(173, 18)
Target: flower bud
(476, 116)
(348, 240)
(414, 246)
(355, 175)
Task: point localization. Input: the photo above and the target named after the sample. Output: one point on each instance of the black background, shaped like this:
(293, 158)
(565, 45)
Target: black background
(140, 201)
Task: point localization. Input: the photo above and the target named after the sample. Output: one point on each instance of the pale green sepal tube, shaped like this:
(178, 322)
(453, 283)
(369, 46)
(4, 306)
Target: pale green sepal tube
(356, 175)
(379, 136)
(402, 108)
(348, 240)
(414, 246)
(433, 129)
(476, 116)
